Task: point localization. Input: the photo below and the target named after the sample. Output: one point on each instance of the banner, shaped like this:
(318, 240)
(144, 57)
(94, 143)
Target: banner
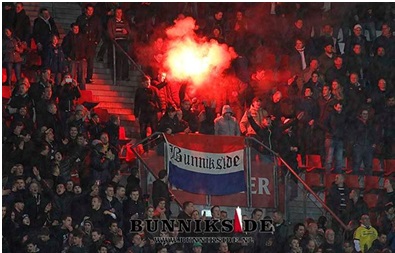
(203, 164)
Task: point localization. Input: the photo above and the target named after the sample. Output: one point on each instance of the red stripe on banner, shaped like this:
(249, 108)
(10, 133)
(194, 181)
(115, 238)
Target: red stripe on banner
(207, 143)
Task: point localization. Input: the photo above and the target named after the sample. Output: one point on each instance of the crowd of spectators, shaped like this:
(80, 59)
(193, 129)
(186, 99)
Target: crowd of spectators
(304, 95)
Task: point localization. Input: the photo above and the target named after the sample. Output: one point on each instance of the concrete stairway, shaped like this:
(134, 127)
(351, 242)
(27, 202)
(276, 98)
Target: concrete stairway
(116, 99)
(305, 205)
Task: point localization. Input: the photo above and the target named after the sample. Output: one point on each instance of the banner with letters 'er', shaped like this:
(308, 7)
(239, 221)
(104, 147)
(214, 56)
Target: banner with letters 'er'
(206, 164)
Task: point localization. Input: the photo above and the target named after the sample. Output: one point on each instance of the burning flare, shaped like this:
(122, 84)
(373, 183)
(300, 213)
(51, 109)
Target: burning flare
(193, 59)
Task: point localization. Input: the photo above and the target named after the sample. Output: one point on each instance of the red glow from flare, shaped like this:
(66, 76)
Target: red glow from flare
(195, 60)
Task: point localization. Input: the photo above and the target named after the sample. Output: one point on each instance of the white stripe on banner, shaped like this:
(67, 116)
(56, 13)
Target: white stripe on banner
(207, 163)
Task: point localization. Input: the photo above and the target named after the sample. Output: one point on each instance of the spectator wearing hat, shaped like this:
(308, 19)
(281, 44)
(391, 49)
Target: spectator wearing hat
(356, 37)
(197, 247)
(226, 124)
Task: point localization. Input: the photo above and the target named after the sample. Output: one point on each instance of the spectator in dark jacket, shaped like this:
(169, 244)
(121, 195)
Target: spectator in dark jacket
(89, 24)
(337, 197)
(44, 27)
(364, 143)
(55, 59)
(22, 23)
(356, 206)
(75, 48)
(334, 138)
(160, 190)
(12, 49)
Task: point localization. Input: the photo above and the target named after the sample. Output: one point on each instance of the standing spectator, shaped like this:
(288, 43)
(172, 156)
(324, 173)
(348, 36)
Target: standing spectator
(356, 206)
(12, 49)
(20, 98)
(327, 37)
(357, 62)
(356, 37)
(44, 27)
(334, 138)
(364, 143)
(146, 107)
(189, 115)
(384, 222)
(379, 95)
(89, 24)
(364, 235)
(55, 59)
(37, 89)
(326, 58)
(356, 96)
(8, 14)
(119, 30)
(337, 71)
(380, 66)
(67, 92)
(21, 24)
(387, 41)
(105, 11)
(306, 124)
(337, 197)
(133, 208)
(75, 49)
(315, 85)
(226, 124)
(281, 230)
(160, 190)
(257, 113)
(298, 58)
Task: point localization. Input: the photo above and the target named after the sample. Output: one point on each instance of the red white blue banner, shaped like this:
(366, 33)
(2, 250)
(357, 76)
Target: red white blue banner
(203, 164)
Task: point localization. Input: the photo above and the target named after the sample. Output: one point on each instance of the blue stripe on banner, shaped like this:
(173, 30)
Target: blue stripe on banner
(222, 184)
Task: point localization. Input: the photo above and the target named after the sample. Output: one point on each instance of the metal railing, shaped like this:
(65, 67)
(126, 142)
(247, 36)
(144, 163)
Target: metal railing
(154, 137)
(115, 47)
